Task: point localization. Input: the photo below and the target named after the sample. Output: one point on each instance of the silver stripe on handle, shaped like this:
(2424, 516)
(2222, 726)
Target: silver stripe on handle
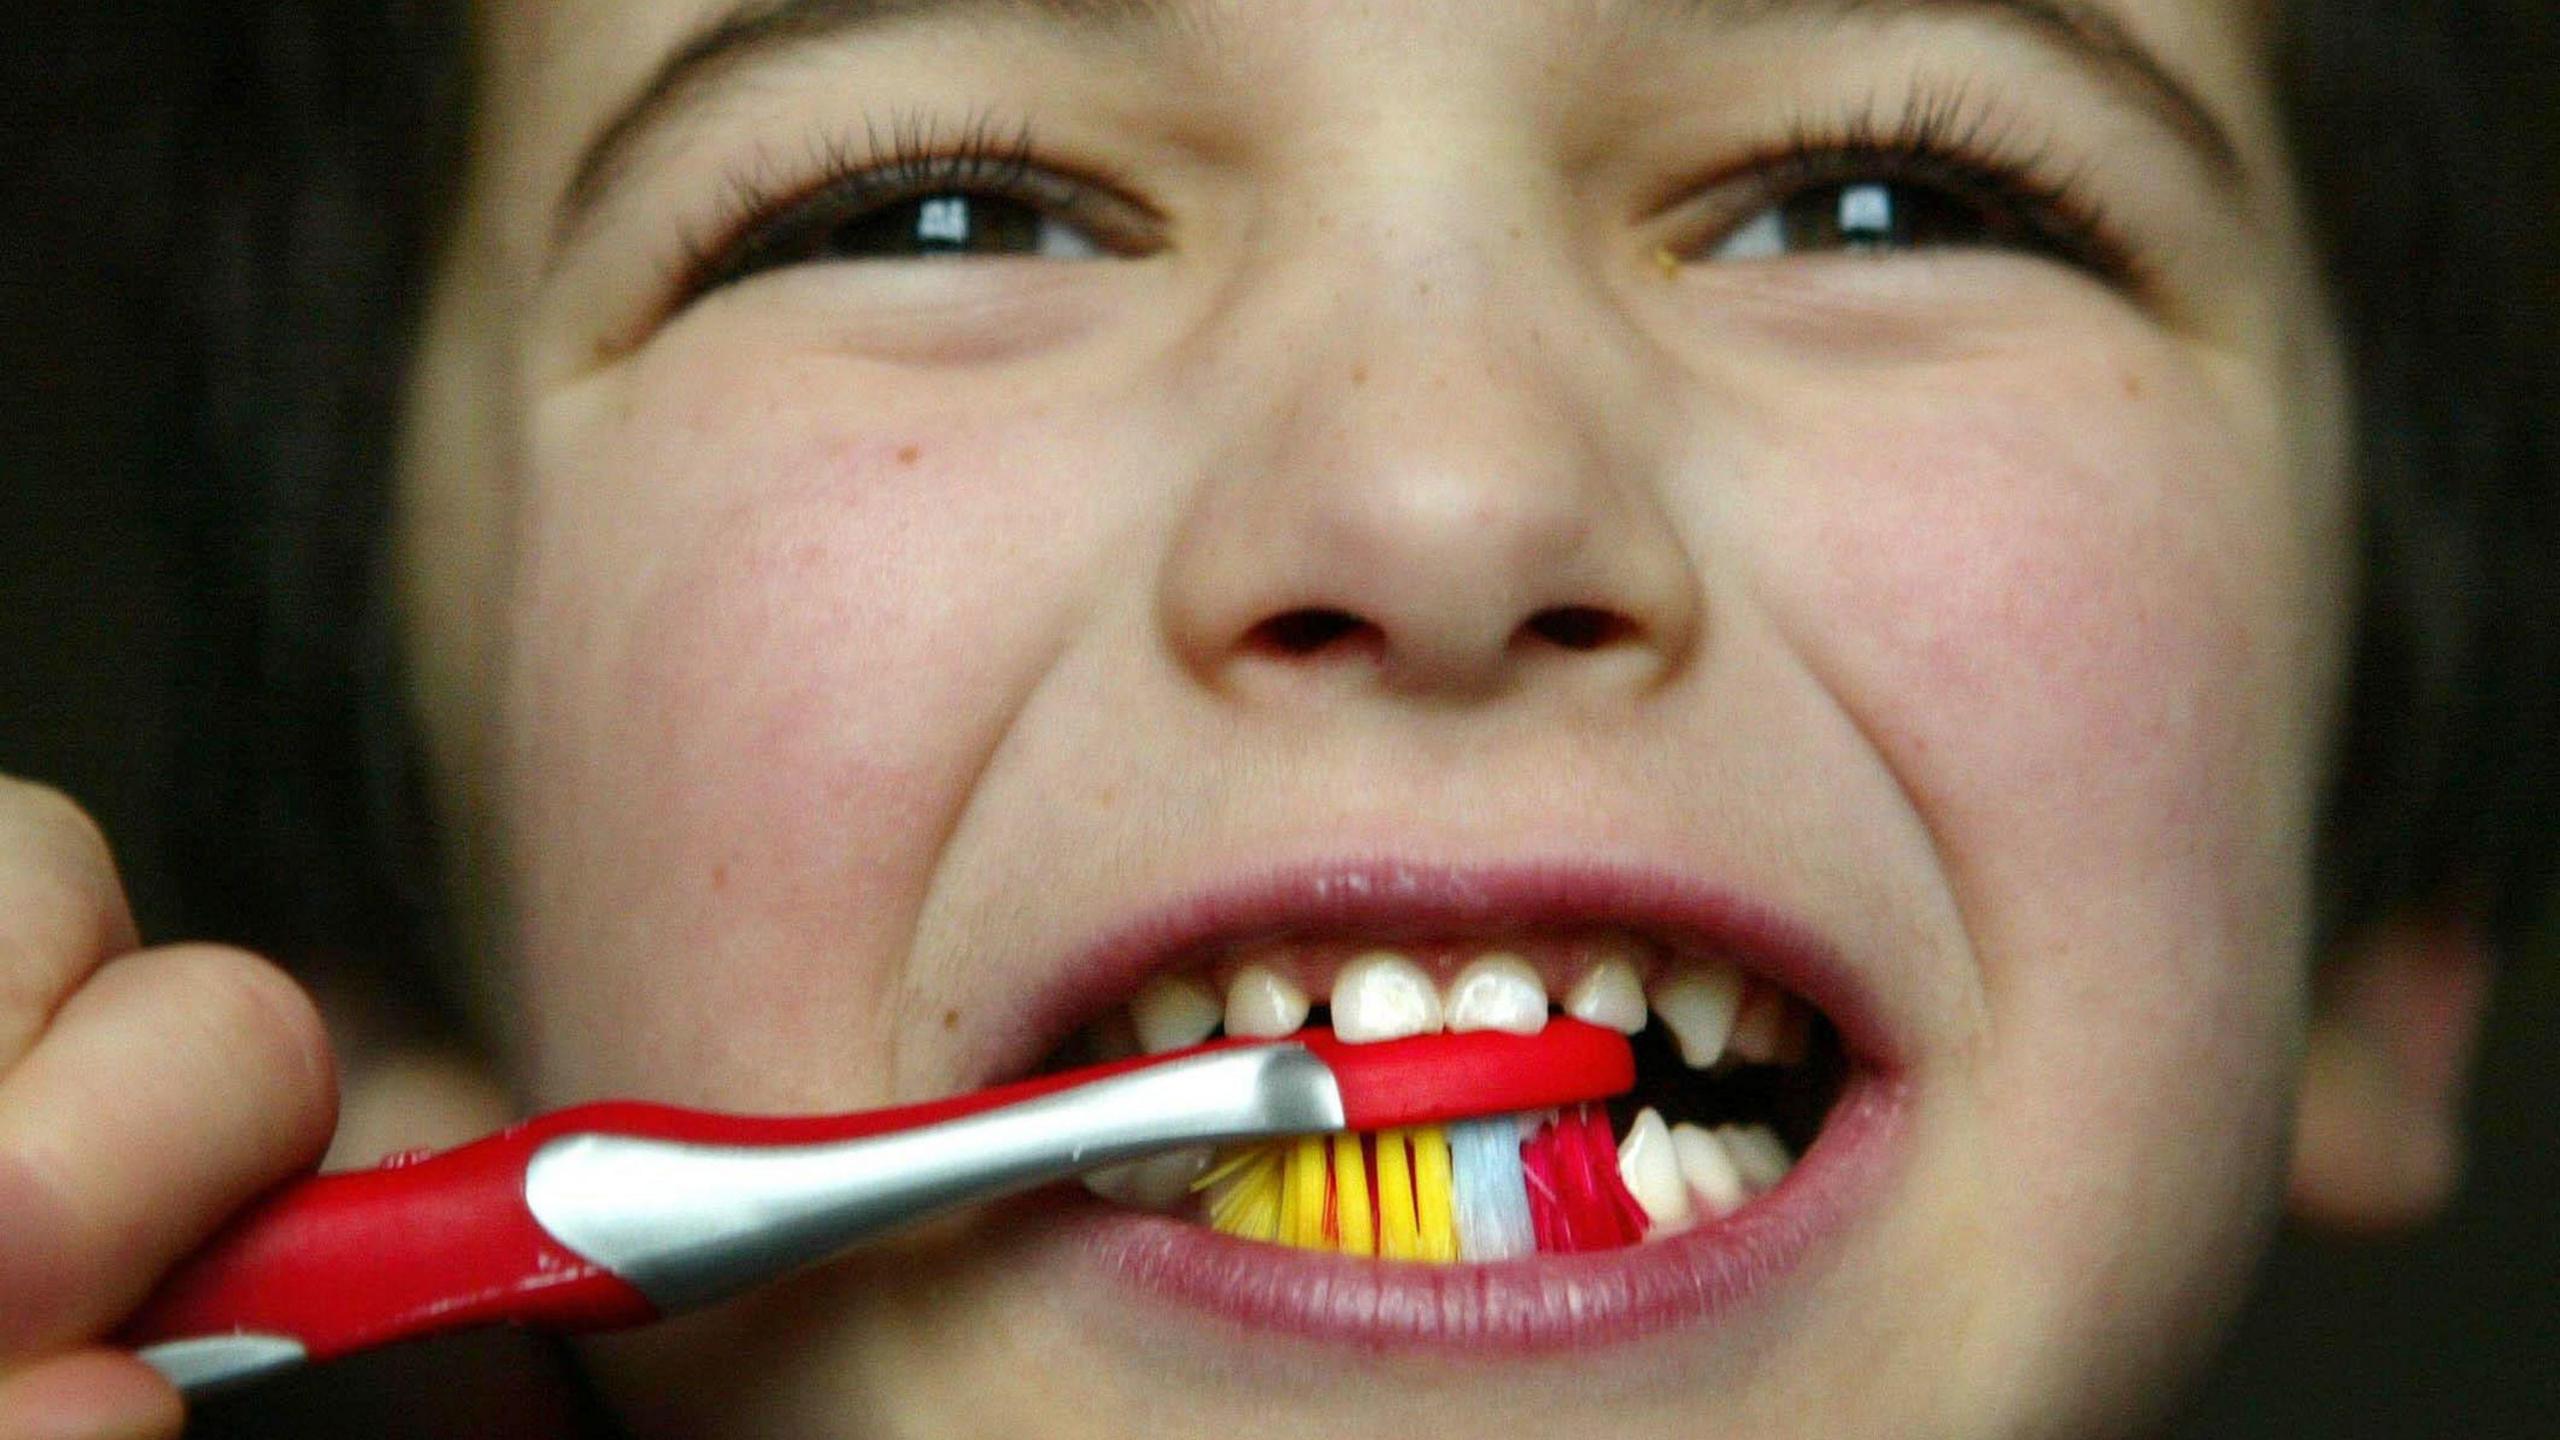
(687, 1224)
(213, 1363)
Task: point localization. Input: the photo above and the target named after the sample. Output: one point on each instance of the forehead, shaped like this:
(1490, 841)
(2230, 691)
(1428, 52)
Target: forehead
(563, 80)
(598, 51)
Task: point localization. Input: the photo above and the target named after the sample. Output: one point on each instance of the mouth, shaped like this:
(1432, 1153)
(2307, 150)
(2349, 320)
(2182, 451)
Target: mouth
(1765, 1100)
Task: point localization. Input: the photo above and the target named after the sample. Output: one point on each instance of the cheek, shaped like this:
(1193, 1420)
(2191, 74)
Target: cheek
(760, 664)
(2069, 608)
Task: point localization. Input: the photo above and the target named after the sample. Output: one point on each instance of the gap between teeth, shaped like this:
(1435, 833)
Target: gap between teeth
(1713, 1012)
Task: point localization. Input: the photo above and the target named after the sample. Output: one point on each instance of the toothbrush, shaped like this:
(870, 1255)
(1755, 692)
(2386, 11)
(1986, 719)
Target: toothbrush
(619, 1213)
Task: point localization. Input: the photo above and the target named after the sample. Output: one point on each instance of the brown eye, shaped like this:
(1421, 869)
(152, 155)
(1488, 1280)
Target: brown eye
(954, 224)
(1874, 217)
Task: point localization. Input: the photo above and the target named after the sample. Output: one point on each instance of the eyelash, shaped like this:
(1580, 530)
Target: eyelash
(761, 217)
(1943, 138)
(1946, 139)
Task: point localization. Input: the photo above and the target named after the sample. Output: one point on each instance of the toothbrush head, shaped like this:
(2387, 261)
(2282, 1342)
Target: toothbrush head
(1429, 1079)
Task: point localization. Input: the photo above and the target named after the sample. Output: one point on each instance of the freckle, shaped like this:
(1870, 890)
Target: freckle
(2133, 386)
(909, 454)
(1360, 374)
(1512, 230)
(1421, 287)
(950, 1019)
(720, 876)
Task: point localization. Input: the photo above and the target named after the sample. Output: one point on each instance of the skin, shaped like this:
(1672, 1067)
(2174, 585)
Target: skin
(1981, 612)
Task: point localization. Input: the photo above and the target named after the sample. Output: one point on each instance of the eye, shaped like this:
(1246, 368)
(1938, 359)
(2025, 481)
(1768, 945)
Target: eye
(1930, 181)
(1872, 217)
(955, 223)
(900, 198)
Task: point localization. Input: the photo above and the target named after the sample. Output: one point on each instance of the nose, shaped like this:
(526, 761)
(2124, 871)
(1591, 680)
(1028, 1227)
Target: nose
(1453, 493)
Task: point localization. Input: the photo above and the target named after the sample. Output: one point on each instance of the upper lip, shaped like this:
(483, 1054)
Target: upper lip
(1385, 897)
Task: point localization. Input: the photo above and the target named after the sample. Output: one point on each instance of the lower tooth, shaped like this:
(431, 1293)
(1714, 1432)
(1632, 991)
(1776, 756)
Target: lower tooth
(1758, 1153)
(1707, 1166)
(1159, 1182)
(1652, 1174)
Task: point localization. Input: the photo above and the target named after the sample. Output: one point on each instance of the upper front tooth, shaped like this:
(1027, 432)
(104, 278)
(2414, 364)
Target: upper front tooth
(1697, 1001)
(1263, 1003)
(1384, 996)
(1498, 991)
(1173, 1012)
(1609, 994)
(1651, 1170)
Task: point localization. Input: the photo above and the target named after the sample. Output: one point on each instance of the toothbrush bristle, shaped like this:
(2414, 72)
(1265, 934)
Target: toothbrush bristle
(1492, 1198)
(1479, 1190)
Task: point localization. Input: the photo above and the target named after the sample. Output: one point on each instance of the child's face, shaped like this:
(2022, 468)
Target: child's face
(1455, 475)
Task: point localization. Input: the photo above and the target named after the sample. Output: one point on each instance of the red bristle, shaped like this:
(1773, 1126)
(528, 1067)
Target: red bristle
(1632, 1221)
(1538, 1168)
(1608, 1187)
(1332, 1202)
(1588, 1214)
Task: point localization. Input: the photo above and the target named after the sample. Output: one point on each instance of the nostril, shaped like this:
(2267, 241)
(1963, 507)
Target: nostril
(1580, 627)
(1306, 632)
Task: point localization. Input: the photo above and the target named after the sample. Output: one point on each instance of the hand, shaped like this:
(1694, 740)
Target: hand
(145, 1094)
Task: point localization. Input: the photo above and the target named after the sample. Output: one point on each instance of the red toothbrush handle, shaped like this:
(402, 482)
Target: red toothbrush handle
(424, 1246)
(415, 1247)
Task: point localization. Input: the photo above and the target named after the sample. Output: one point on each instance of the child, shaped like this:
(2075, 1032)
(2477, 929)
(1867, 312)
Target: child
(927, 536)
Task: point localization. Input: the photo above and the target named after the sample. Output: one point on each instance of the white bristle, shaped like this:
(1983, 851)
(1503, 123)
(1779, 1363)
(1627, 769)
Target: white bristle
(1492, 1201)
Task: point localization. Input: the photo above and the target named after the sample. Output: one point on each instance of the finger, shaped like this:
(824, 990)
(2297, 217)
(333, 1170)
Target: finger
(173, 1087)
(89, 1395)
(62, 909)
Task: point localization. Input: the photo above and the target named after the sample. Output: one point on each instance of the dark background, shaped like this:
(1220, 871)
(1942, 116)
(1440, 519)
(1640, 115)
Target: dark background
(2454, 1332)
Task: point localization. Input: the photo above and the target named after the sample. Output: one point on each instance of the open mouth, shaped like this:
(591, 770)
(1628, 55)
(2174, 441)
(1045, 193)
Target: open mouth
(1770, 1100)
(1736, 1077)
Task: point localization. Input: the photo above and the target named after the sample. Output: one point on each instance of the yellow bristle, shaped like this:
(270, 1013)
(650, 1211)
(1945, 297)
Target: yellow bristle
(1354, 1223)
(1302, 1203)
(1433, 1203)
(1234, 1163)
(1398, 1236)
(1244, 1197)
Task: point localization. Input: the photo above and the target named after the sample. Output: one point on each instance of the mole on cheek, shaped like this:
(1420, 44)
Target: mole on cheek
(909, 454)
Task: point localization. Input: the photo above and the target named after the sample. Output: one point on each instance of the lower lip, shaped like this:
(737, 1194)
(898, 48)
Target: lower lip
(1547, 1304)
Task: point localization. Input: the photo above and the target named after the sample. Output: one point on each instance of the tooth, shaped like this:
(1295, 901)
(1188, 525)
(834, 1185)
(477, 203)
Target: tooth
(1758, 1154)
(1755, 1038)
(1498, 991)
(1609, 994)
(1709, 1171)
(1159, 1182)
(1173, 1012)
(1263, 1003)
(1384, 996)
(1697, 1002)
(1652, 1174)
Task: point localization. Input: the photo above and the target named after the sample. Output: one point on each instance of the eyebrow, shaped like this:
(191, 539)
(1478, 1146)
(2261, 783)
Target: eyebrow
(759, 30)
